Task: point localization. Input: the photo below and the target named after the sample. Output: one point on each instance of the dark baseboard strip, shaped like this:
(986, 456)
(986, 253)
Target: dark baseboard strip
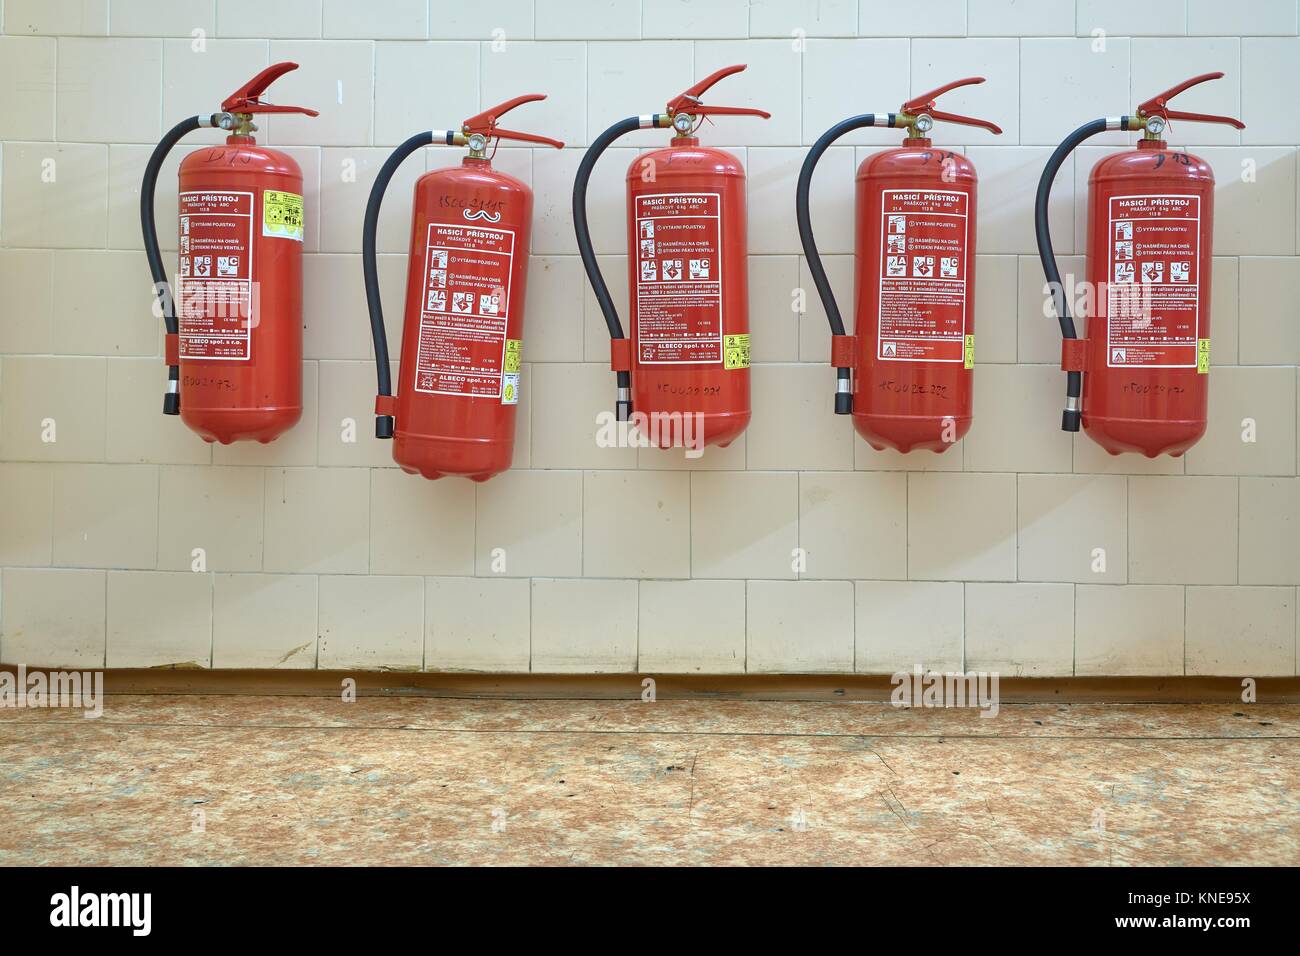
(811, 687)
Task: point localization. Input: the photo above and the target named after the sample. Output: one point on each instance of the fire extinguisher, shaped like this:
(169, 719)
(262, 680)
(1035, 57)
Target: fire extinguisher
(234, 322)
(1139, 381)
(685, 368)
(462, 338)
(906, 374)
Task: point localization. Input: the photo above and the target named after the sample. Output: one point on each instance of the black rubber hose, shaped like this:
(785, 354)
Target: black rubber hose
(843, 400)
(149, 231)
(370, 268)
(623, 407)
(1072, 417)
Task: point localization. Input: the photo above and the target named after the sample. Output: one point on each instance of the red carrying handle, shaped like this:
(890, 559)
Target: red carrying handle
(689, 100)
(247, 99)
(485, 123)
(925, 104)
(1158, 105)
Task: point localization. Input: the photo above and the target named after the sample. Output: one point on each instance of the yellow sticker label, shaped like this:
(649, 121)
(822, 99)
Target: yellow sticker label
(735, 348)
(970, 351)
(282, 215)
(1202, 356)
(514, 348)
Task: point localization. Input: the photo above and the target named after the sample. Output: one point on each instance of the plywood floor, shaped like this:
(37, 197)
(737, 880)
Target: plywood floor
(286, 780)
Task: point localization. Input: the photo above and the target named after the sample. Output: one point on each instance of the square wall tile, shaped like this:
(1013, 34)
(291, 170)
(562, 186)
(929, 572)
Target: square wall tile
(1020, 630)
(1128, 631)
(1012, 430)
(584, 626)
(1182, 530)
(1062, 82)
(799, 627)
(854, 524)
(961, 527)
(878, 65)
(477, 624)
(159, 619)
(1254, 199)
(887, 638)
(317, 520)
(770, 83)
(1252, 424)
(404, 108)
(794, 424)
(1005, 222)
(337, 77)
(744, 524)
(1241, 632)
(101, 306)
(264, 620)
(345, 430)
(772, 174)
(93, 72)
(1072, 528)
(578, 429)
(211, 518)
(137, 431)
(1161, 62)
(55, 195)
(418, 526)
(197, 79)
(636, 524)
(53, 408)
(52, 618)
(506, 70)
(106, 516)
(530, 524)
(623, 76)
(371, 622)
(691, 627)
(934, 62)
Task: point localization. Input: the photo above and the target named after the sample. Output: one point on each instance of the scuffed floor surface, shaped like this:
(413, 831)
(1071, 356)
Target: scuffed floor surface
(289, 780)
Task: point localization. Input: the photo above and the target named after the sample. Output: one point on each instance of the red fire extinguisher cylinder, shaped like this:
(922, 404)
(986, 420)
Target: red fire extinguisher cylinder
(462, 336)
(1139, 381)
(682, 372)
(906, 372)
(234, 345)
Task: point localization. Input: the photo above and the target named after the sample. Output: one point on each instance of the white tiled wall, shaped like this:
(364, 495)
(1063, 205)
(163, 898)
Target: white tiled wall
(1021, 549)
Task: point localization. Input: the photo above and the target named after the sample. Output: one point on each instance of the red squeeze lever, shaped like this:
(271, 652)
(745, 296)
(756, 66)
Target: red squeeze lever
(1158, 105)
(690, 102)
(485, 123)
(925, 104)
(247, 99)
